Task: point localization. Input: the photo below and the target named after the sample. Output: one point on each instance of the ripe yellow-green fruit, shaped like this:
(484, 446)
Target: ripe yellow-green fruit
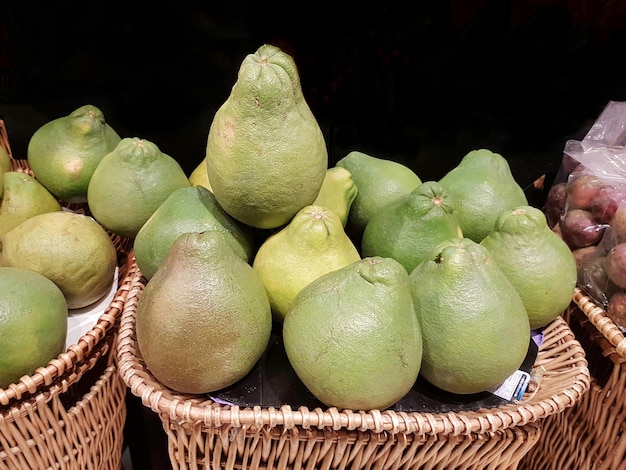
(64, 152)
(474, 325)
(33, 323)
(482, 186)
(409, 229)
(199, 176)
(130, 184)
(379, 182)
(312, 244)
(352, 335)
(266, 155)
(203, 320)
(5, 166)
(192, 209)
(536, 260)
(337, 192)
(70, 249)
(24, 197)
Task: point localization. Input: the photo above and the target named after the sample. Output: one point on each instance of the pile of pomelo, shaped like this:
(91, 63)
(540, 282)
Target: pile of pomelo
(372, 276)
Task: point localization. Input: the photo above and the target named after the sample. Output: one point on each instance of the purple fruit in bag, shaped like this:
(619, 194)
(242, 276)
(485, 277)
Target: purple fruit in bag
(618, 225)
(616, 309)
(582, 190)
(555, 203)
(606, 201)
(580, 229)
(615, 265)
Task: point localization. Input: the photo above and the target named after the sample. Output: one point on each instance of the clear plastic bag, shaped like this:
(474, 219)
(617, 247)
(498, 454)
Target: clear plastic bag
(586, 206)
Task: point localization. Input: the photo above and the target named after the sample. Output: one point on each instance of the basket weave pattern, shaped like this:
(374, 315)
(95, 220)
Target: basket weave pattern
(70, 413)
(591, 434)
(205, 434)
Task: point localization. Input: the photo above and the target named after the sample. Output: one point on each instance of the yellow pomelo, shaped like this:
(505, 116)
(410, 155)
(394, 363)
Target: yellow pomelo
(482, 186)
(33, 323)
(64, 152)
(474, 325)
(379, 182)
(409, 229)
(312, 244)
(203, 320)
(266, 155)
(536, 260)
(199, 176)
(130, 184)
(70, 249)
(5, 166)
(24, 197)
(352, 335)
(192, 209)
(337, 192)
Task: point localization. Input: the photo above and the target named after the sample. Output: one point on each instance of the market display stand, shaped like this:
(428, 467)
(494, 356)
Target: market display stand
(70, 413)
(202, 433)
(591, 435)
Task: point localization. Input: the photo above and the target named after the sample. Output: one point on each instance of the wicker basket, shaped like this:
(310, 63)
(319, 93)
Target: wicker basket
(204, 434)
(592, 433)
(70, 413)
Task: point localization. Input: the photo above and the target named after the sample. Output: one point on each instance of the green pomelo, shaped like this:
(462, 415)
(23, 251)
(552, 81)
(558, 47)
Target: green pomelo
(64, 152)
(33, 323)
(474, 325)
(5, 166)
(312, 244)
(352, 335)
(379, 182)
(482, 186)
(203, 320)
(130, 183)
(266, 155)
(23, 198)
(408, 230)
(337, 192)
(191, 209)
(199, 176)
(70, 249)
(536, 260)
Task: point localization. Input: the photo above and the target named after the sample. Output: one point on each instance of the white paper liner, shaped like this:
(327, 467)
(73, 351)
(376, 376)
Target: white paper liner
(81, 320)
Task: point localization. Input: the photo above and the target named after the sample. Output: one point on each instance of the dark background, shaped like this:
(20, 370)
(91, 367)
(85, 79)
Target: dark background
(418, 82)
(422, 83)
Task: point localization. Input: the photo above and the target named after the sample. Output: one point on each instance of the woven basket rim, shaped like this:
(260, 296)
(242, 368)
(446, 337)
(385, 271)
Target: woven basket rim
(601, 321)
(69, 366)
(559, 389)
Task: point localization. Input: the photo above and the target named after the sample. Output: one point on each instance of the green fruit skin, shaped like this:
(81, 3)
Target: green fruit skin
(379, 183)
(312, 244)
(536, 260)
(33, 323)
(409, 229)
(137, 177)
(482, 187)
(352, 335)
(474, 325)
(81, 139)
(191, 209)
(337, 193)
(5, 166)
(203, 320)
(30, 243)
(24, 197)
(266, 155)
